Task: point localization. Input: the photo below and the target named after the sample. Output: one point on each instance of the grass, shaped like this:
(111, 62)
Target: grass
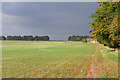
(50, 59)
(108, 62)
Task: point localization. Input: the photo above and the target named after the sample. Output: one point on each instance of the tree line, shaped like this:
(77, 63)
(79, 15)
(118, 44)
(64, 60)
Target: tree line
(25, 38)
(43, 38)
(79, 38)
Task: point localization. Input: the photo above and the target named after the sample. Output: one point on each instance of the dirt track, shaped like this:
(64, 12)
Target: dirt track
(91, 71)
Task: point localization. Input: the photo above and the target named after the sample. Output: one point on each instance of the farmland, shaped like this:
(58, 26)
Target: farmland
(57, 59)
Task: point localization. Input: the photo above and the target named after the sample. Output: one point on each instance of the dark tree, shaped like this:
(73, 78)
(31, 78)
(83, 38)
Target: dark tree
(28, 38)
(9, 38)
(2, 38)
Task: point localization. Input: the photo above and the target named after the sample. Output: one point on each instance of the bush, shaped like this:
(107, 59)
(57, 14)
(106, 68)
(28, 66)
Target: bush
(84, 40)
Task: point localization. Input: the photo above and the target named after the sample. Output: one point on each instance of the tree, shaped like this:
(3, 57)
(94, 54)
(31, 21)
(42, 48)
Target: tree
(2, 38)
(105, 25)
(77, 39)
(9, 38)
(28, 38)
(45, 38)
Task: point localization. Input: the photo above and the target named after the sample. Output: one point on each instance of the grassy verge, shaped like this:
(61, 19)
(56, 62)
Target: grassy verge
(107, 62)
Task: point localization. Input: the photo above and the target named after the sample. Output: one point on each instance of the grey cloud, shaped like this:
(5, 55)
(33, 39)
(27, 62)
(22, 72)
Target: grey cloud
(58, 20)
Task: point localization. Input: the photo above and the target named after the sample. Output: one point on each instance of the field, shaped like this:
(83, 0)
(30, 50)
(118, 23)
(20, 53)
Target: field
(50, 59)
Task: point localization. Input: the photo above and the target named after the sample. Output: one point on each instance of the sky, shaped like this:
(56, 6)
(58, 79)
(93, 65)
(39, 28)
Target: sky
(58, 20)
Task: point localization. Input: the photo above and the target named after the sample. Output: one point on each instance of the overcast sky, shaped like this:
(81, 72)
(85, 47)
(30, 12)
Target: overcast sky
(57, 20)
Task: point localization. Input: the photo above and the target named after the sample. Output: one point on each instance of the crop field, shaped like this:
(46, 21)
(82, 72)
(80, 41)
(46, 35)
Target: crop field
(57, 59)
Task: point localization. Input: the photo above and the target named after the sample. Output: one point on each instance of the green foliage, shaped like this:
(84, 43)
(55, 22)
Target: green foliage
(2, 38)
(105, 25)
(84, 40)
(25, 38)
(78, 38)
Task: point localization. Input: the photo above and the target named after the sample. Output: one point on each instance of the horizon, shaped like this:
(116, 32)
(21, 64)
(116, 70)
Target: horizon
(48, 36)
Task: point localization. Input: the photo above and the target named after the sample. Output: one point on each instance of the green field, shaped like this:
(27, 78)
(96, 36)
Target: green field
(54, 59)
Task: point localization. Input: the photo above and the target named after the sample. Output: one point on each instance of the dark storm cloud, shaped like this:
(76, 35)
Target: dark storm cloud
(0, 18)
(58, 20)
